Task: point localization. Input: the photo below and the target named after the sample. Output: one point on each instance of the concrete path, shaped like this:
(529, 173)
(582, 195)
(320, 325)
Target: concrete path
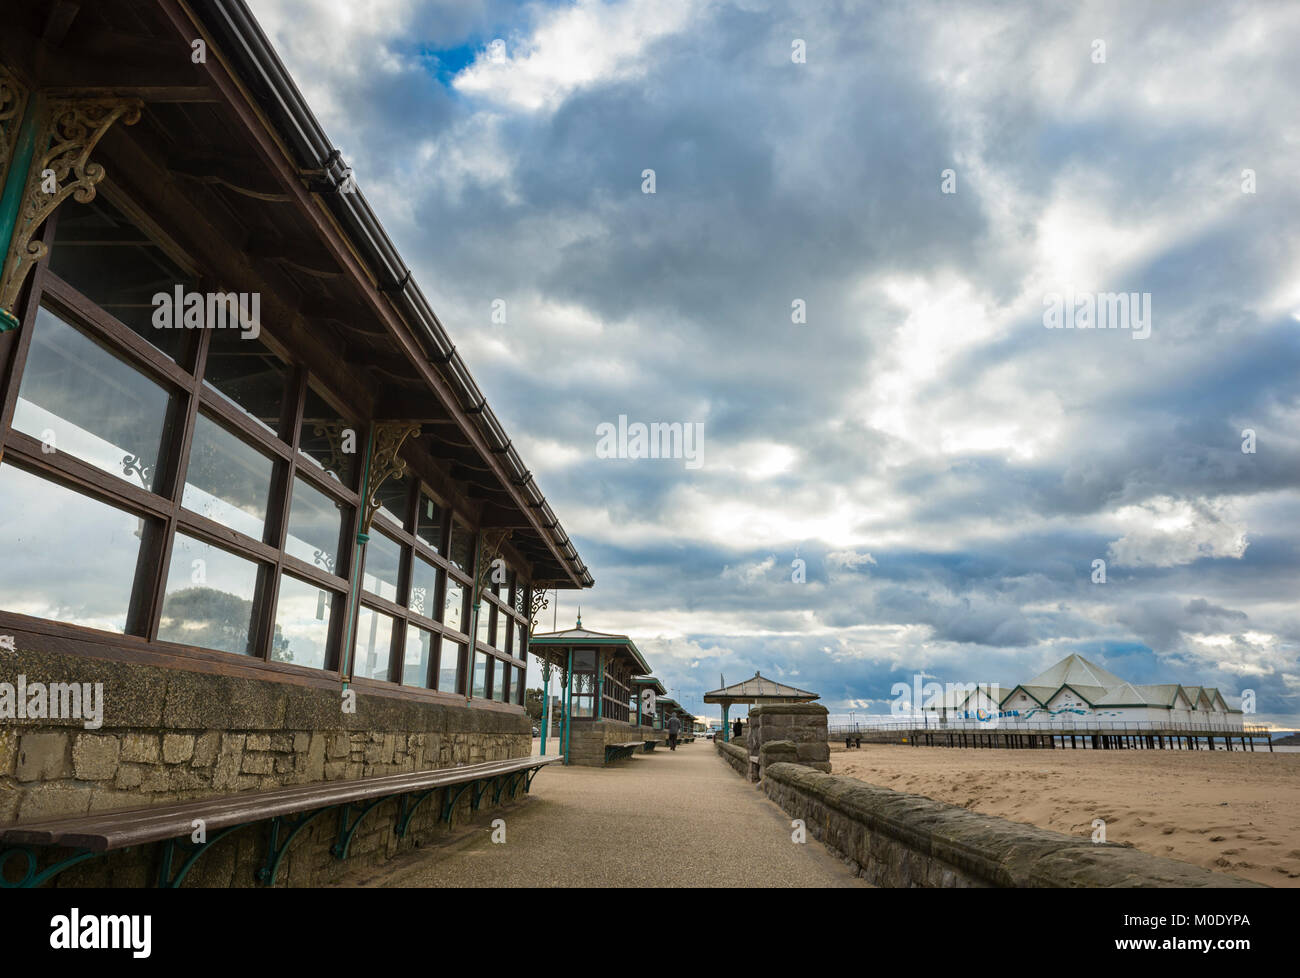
(680, 818)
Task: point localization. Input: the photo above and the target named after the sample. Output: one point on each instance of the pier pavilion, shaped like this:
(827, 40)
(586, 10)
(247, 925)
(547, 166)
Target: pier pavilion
(294, 545)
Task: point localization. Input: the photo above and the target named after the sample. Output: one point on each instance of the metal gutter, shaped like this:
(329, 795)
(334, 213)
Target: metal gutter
(244, 42)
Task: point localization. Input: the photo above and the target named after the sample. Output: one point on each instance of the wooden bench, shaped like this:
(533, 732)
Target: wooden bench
(615, 751)
(650, 745)
(288, 810)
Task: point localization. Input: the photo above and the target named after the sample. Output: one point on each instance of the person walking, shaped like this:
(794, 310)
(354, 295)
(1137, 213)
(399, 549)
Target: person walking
(736, 728)
(673, 726)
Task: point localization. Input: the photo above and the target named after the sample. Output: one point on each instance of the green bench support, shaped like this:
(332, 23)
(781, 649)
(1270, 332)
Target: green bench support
(286, 812)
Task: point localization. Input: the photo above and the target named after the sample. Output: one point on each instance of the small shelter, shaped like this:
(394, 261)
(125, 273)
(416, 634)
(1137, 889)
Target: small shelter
(758, 690)
(596, 672)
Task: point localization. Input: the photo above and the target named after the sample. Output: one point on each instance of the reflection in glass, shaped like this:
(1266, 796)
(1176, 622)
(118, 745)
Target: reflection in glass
(453, 606)
(518, 688)
(81, 400)
(449, 666)
(209, 598)
(64, 556)
(302, 623)
(228, 480)
(247, 374)
(383, 557)
(480, 675)
(419, 648)
(331, 442)
(315, 526)
(428, 521)
(502, 672)
(460, 551)
(393, 496)
(424, 583)
(374, 644)
(111, 262)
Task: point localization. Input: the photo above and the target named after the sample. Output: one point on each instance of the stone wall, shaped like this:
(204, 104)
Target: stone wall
(803, 724)
(587, 739)
(735, 755)
(174, 735)
(895, 839)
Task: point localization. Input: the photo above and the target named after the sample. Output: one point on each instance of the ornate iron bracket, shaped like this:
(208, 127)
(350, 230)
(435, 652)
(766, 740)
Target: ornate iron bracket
(70, 129)
(492, 541)
(538, 603)
(389, 436)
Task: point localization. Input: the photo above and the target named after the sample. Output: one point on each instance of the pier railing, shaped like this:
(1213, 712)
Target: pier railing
(1012, 725)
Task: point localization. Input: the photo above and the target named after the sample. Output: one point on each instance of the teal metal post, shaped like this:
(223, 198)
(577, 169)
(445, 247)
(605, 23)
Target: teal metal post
(546, 701)
(12, 198)
(568, 706)
(354, 593)
(600, 682)
(726, 727)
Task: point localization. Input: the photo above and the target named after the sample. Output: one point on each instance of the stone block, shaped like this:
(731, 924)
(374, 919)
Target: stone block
(54, 800)
(43, 757)
(95, 756)
(205, 749)
(229, 758)
(177, 748)
(258, 762)
(140, 748)
(258, 741)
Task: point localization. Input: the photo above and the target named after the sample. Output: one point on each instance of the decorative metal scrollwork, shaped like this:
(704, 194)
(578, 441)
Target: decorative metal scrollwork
(492, 541)
(332, 432)
(539, 603)
(389, 436)
(131, 466)
(70, 131)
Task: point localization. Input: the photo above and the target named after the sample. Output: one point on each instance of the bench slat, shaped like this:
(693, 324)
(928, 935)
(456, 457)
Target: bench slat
(103, 831)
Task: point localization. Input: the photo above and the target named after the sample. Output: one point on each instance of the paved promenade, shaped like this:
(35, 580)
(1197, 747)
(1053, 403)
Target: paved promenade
(679, 818)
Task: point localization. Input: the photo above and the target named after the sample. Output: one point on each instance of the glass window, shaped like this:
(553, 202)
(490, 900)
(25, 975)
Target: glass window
(248, 375)
(482, 622)
(329, 440)
(64, 556)
(315, 526)
(449, 666)
(107, 259)
(383, 558)
(518, 688)
(374, 644)
(521, 643)
(453, 606)
(428, 523)
(419, 649)
(393, 496)
(480, 675)
(82, 400)
(501, 685)
(424, 583)
(460, 552)
(501, 637)
(228, 480)
(209, 598)
(302, 623)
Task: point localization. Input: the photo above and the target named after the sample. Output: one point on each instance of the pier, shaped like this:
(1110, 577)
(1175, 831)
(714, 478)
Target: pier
(1097, 735)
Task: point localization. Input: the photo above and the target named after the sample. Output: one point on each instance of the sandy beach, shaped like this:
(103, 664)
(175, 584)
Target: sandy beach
(1232, 812)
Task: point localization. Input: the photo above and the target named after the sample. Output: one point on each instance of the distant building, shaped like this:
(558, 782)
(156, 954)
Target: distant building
(1076, 688)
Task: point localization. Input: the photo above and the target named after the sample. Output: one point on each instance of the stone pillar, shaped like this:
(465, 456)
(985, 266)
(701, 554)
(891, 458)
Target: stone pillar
(801, 729)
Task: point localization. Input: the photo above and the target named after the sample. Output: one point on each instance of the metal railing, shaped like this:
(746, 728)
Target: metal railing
(1013, 725)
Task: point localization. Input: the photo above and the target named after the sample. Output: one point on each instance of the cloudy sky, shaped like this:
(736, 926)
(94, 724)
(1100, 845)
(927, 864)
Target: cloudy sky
(946, 468)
